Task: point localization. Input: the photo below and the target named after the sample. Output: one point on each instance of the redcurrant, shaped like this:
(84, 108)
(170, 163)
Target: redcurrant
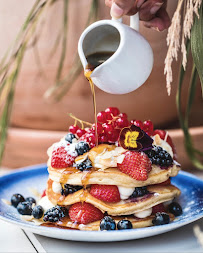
(123, 115)
(138, 123)
(80, 132)
(103, 138)
(101, 117)
(112, 138)
(113, 110)
(108, 128)
(148, 127)
(73, 129)
(99, 128)
(122, 122)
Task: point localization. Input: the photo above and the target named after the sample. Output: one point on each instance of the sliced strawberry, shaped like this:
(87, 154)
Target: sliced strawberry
(162, 134)
(158, 208)
(136, 164)
(107, 193)
(84, 213)
(61, 159)
(43, 193)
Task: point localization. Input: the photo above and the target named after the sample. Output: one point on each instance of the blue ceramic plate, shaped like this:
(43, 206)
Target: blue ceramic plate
(20, 181)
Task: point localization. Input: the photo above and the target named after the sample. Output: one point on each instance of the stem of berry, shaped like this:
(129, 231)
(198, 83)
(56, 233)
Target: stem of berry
(82, 122)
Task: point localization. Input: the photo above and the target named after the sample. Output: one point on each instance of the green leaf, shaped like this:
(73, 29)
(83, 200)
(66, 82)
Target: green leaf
(197, 44)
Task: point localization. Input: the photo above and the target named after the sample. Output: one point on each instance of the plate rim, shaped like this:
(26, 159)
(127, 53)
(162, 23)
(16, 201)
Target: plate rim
(64, 232)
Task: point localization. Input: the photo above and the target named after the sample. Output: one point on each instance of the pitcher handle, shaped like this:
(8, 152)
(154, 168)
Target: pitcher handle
(134, 21)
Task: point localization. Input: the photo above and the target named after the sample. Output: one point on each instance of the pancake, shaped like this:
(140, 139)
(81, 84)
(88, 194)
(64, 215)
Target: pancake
(95, 226)
(111, 176)
(157, 195)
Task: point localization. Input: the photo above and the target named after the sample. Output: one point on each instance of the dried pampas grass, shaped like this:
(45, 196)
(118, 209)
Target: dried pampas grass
(174, 34)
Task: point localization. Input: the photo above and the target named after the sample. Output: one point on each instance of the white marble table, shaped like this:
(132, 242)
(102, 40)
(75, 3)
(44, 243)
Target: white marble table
(14, 239)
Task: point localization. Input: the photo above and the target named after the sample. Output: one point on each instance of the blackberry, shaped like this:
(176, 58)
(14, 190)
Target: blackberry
(85, 165)
(69, 137)
(68, 189)
(175, 209)
(55, 213)
(16, 199)
(25, 208)
(82, 147)
(107, 223)
(159, 156)
(139, 192)
(161, 219)
(124, 224)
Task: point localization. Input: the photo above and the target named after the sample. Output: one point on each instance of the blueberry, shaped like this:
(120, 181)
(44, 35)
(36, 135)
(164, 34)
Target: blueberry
(37, 212)
(25, 208)
(16, 199)
(31, 200)
(139, 192)
(124, 224)
(107, 223)
(85, 165)
(161, 219)
(69, 137)
(175, 209)
(82, 147)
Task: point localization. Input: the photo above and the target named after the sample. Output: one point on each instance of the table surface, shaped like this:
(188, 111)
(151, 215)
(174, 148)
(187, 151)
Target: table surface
(14, 239)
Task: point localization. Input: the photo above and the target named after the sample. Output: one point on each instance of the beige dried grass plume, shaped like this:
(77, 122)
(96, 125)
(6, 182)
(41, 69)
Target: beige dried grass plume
(174, 33)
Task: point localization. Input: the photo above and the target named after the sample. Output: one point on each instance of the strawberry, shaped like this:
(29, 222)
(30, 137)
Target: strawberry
(162, 134)
(84, 213)
(107, 193)
(43, 193)
(61, 159)
(158, 208)
(136, 164)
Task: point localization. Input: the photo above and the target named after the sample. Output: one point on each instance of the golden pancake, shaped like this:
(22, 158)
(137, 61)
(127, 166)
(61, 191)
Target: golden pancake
(157, 195)
(110, 176)
(95, 226)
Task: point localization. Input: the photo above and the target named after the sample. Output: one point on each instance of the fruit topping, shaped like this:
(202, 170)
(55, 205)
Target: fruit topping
(112, 110)
(16, 199)
(37, 212)
(89, 138)
(84, 213)
(68, 189)
(158, 208)
(124, 224)
(101, 117)
(80, 132)
(31, 200)
(55, 214)
(107, 223)
(61, 159)
(175, 209)
(161, 219)
(159, 156)
(69, 137)
(133, 138)
(84, 165)
(82, 147)
(136, 164)
(43, 193)
(25, 208)
(107, 193)
(148, 127)
(164, 135)
(139, 192)
(73, 129)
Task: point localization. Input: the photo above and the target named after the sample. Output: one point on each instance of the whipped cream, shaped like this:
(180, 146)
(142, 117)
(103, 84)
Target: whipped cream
(144, 213)
(45, 203)
(125, 192)
(162, 143)
(56, 187)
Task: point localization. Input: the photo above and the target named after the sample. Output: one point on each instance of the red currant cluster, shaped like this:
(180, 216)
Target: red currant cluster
(146, 126)
(110, 122)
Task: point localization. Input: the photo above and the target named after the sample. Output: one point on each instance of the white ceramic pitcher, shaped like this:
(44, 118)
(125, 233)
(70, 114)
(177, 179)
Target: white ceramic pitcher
(131, 64)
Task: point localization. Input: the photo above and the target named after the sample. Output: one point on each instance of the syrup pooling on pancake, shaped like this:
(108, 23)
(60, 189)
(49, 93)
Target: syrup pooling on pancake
(121, 182)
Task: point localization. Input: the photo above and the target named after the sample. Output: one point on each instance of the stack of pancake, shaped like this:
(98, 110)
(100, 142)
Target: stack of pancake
(155, 191)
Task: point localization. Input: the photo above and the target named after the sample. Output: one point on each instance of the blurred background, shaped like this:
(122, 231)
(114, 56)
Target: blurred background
(37, 122)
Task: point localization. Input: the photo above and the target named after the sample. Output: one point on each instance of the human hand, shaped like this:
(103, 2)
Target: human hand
(152, 12)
